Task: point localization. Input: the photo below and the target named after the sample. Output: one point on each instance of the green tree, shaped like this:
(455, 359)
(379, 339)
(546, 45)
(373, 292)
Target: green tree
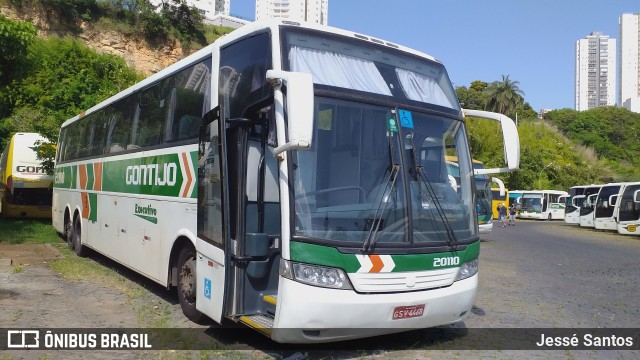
(504, 96)
(15, 38)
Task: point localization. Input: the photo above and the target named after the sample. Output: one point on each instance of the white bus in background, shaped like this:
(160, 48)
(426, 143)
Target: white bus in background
(290, 177)
(573, 203)
(603, 214)
(627, 210)
(588, 205)
(543, 204)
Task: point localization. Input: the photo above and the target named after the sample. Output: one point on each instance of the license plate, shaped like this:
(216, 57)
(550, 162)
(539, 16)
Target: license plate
(405, 312)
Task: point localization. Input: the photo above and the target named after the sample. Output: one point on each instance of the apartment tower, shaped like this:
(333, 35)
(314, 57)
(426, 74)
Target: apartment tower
(629, 74)
(595, 72)
(306, 10)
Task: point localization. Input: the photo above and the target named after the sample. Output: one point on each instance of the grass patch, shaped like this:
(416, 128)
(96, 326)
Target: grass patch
(72, 267)
(27, 231)
(17, 269)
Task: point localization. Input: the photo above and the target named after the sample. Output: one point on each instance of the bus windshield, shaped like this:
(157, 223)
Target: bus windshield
(364, 170)
(532, 202)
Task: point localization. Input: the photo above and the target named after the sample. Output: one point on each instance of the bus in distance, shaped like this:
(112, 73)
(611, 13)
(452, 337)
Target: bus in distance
(588, 205)
(291, 177)
(573, 203)
(25, 186)
(543, 204)
(603, 214)
(627, 211)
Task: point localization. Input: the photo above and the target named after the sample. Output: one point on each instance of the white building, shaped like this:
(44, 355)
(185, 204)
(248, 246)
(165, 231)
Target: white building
(629, 91)
(595, 72)
(208, 8)
(315, 11)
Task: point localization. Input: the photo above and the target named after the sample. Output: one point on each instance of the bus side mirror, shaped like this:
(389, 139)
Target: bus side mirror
(636, 196)
(510, 138)
(299, 106)
(613, 199)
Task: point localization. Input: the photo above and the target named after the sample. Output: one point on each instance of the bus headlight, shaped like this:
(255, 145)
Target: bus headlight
(316, 275)
(467, 270)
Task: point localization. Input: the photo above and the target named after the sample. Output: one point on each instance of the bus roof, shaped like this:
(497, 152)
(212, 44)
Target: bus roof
(250, 28)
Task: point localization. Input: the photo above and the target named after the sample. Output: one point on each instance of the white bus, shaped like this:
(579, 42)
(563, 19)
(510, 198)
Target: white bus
(317, 204)
(543, 204)
(25, 186)
(573, 203)
(627, 210)
(603, 214)
(588, 205)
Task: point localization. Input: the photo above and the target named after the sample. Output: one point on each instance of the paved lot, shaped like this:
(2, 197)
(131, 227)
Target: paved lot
(534, 275)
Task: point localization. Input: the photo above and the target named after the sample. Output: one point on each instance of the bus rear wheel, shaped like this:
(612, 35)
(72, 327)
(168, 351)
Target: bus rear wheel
(549, 217)
(187, 288)
(80, 249)
(68, 232)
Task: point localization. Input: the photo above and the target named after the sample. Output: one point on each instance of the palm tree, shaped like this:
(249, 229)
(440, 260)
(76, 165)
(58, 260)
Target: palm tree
(504, 96)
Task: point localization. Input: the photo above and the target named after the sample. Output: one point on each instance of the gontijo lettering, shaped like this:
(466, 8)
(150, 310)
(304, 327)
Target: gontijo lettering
(151, 174)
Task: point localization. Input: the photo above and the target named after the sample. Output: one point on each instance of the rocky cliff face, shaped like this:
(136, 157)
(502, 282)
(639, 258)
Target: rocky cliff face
(136, 52)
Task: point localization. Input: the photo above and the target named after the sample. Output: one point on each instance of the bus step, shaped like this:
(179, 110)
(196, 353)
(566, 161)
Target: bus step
(260, 322)
(271, 299)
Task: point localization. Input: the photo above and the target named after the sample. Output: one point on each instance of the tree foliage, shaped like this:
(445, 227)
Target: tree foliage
(62, 78)
(504, 96)
(15, 38)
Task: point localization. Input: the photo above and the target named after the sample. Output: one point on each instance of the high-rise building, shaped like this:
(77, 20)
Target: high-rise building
(306, 10)
(595, 71)
(628, 67)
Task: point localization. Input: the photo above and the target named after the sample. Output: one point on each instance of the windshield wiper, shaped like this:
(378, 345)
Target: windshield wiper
(422, 178)
(385, 196)
(452, 240)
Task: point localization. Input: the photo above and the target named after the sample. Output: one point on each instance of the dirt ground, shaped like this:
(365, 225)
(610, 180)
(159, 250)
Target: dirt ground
(33, 295)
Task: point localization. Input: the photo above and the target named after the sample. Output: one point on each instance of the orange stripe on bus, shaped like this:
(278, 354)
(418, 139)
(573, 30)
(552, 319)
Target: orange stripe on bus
(377, 263)
(97, 173)
(188, 174)
(85, 205)
(82, 169)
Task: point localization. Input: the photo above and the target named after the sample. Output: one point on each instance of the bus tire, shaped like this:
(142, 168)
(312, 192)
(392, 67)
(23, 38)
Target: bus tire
(549, 217)
(187, 288)
(80, 249)
(68, 232)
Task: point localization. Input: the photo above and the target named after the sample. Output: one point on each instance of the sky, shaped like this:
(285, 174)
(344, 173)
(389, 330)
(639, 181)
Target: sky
(532, 41)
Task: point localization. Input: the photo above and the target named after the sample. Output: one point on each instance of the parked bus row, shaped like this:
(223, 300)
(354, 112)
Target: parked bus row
(613, 206)
(533, 204)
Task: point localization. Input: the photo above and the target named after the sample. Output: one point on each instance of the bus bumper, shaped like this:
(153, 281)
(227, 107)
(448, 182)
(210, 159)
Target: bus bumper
(308, 314)
(25, 211)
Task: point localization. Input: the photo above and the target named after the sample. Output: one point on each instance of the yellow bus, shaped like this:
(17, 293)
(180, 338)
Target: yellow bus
(25, 187)
(498, 197)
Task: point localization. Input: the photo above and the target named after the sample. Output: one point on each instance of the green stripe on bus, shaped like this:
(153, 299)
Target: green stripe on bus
(152, 175)
(329, 256)
(93, 207)
(90, 177)
(65, 177)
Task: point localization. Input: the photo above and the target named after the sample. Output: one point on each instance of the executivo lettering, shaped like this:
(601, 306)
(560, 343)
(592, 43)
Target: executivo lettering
(148, 213)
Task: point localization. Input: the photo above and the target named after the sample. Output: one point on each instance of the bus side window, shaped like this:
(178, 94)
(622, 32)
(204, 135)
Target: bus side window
(119, 127)
(148, 120)
(189, 101)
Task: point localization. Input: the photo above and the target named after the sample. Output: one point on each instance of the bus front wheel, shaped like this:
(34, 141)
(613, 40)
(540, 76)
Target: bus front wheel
(187, 288)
